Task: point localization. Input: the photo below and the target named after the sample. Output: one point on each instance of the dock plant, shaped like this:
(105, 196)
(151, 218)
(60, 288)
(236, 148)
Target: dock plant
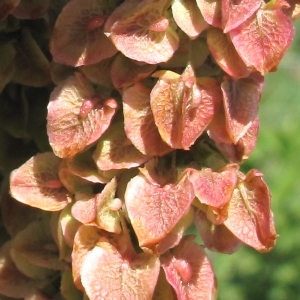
(123, 125)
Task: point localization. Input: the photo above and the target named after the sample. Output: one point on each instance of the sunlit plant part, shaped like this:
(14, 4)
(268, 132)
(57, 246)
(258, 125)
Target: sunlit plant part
(139, 122)
(154, 210)
(6, 7)
(188, 17)
(189, 271)
(214, 190)
(115, 151)
(141, 31)
(211, 11)
(31, 9)
(78, 37)
(153, 105)
(251, 200)
(225, 54)
(100, 209)
(73, 118)
(124, 72)
(183, 106)
(216, 238)
(241, 99)
(258, 30)
(39, 175)
(235, 13)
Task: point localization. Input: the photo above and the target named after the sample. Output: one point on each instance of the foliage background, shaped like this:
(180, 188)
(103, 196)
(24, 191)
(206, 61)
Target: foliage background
(247, 274)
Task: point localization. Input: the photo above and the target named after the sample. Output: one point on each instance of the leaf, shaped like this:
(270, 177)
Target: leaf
(67, 288)
(198, 52)
(107, 175)
(59, 73)
(225, 54)
(84, 209)
(263, 38)
(7, 64)
(31, 9)
(129, 279)
(241, 99)
(85, 240)
(249, 216)
(71, 182)
(36, 183)
(36, 295)
(205, 153)
(183, 106)
(174, 237)
(141, 31)
(101, 209)
(18, 150)
(12, 210)
(6, 7)
(247, 143)
(235, 13)
(67, 225)
(214, 189)
(190, 272)
(83, 165)
(32, 67)
(215, 237)
(294, 11)
(238, 113)
(217, 130)
(99, 73)
(158, 171)
(39, 261)
(37, 100)
(163, 289)
(139, 122)
(108, 206)
(244, 147)
(181, 56)
(77, 116)
(89, 237)
(12, 282)
(115, 151)
(56, 232)
(78, 38)
(123, 180)
(193, 52)
(188, 17)
(155, 210)
(125, 72)
(211, 11)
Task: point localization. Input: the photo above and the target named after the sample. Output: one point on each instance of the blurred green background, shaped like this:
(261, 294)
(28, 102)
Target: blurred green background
(247, 274)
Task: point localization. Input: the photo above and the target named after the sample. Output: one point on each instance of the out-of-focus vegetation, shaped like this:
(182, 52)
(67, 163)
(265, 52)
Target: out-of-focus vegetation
(247, 274)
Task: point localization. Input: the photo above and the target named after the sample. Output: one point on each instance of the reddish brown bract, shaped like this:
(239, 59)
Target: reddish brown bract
(251, 203)
(77, 116)
(78, 38)
(154, 210)
(155, 107)
(190, 272)
(36, 183)
(263, 38)
(141, 31)
(183, 106)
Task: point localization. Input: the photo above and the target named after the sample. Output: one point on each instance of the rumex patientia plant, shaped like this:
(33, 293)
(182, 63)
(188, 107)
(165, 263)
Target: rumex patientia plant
(149, 108)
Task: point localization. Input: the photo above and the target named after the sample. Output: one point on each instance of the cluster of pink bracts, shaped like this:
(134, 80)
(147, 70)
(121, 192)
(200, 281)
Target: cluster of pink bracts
(153, 106)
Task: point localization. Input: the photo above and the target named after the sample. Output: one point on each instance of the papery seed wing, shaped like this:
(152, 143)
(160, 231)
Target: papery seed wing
(36, 183)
